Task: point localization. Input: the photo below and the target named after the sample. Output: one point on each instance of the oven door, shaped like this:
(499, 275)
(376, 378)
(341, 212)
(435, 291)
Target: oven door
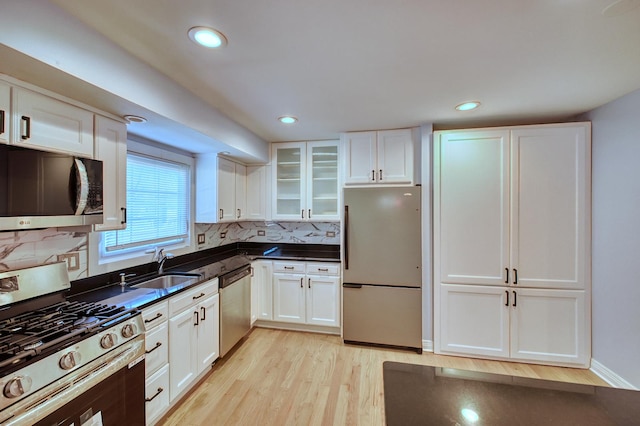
(107, 391)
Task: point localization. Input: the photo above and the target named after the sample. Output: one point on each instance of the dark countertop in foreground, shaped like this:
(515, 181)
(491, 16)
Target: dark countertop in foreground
(423, 395)
(208, 263)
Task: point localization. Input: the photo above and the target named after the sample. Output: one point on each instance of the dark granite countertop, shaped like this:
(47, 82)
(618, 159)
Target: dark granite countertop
(424, 395)
(208, 264)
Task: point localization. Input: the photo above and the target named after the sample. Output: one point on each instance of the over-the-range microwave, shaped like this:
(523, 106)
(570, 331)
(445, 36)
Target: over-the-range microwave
(40, 189)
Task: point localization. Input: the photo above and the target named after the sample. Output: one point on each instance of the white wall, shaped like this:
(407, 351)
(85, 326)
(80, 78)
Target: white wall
(616, 236)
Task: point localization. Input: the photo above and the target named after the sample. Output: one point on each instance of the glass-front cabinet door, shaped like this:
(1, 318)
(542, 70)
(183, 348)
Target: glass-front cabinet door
(289, 180)
(322, 182)
(305, 181)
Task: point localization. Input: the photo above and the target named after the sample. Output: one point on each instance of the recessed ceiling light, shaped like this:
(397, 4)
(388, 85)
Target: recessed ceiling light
(467, 106)
(287, 119)
(134, 119)
(207, 37)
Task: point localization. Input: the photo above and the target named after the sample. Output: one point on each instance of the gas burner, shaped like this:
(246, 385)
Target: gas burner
(33, 345)
(85, 322)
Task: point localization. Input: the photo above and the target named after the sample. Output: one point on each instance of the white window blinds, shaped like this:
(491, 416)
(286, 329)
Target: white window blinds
(157, 204)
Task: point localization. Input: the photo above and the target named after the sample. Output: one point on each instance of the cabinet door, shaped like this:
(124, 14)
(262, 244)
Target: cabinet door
(471, 209)
(241, 191)
(323, 300)
(5, 112)
(472, 320)
(226, 190)
(395, 156)
(207, 188)
(52, 125)
(157, 348)
(262, 290)
(157, 395)
(183, 339)
(111, 149)
(549, 326)
(322, 181)
(360, 158)
(289, 181)
(289, 298)
(550, 208)
(256, 198)
(208, 332)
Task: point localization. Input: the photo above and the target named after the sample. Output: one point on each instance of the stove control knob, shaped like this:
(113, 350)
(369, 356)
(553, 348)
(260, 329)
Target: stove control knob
(129, 330)
(17, 386)
(108, 341)
(70, 360)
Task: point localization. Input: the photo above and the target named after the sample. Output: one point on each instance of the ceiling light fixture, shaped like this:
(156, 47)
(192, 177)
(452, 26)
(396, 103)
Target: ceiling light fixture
(207, 37)
(287, 119)
(468, 106)
(134, 119)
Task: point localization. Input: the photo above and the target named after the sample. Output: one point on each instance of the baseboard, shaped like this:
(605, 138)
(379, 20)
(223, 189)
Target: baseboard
(609, 376)
(427, 345)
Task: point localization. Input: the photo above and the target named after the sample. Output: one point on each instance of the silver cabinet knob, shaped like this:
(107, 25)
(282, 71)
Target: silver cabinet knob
(70, 360)
(17, 386)
(108, 340)
(129, 330)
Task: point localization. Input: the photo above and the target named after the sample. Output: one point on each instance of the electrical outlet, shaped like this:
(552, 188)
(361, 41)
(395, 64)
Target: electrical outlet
(201, 239)
(261, 233)
(223, 234)
(331, 234)
(72, 259)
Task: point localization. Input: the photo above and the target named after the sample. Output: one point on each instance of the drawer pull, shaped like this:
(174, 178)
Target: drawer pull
(289, 267)
(157, 393)
(158, 344)
(158, 315)
(323, 269)
(198, 297)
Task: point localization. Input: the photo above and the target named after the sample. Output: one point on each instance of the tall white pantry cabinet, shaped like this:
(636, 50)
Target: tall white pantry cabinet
(512, 243)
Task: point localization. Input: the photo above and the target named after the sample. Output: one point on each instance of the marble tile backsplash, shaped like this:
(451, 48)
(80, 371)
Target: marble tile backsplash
(23, 249)
(219, 234)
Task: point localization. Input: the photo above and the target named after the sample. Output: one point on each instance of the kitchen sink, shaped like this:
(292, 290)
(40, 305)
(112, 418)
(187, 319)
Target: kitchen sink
(168, 281)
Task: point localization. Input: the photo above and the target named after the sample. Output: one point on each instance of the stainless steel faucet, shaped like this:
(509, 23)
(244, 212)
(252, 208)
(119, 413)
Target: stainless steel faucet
(161, 257)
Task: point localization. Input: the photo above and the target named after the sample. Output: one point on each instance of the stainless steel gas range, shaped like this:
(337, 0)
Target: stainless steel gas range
(66, 363)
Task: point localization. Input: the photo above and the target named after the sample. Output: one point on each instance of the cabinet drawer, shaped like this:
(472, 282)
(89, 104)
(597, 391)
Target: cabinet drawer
(289, 267)
(157, 394)
(322, 268)
(156, 348)
(190, 297)
(155, 315)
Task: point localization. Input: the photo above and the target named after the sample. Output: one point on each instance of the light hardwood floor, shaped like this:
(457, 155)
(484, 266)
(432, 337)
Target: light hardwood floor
(281, 377)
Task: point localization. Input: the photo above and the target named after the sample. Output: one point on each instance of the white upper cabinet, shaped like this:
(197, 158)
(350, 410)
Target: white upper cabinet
(306, 181)
(111, 149)
(257, 193)
(379, 158)
(5, 112)
(221, 190)
(46, 123)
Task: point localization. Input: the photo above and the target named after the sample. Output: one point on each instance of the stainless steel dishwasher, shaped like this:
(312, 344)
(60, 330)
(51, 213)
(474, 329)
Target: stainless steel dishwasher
(235, 307)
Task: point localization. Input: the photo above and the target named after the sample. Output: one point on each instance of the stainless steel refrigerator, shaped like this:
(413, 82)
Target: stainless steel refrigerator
(382, 267)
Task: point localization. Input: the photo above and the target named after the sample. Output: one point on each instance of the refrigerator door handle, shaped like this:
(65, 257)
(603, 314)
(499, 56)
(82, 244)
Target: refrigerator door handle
(346, 237)
(352, 285)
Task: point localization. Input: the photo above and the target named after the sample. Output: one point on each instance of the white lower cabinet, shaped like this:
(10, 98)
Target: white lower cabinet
(157, 394)
(156, 361)
(516, 323)
(194, 339)
(262, 290)
(306, 293)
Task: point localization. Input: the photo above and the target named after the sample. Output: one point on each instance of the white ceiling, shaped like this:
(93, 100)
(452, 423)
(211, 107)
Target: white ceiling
(346, 65)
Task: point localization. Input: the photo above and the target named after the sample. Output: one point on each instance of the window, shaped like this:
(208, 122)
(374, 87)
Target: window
(157, 206)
